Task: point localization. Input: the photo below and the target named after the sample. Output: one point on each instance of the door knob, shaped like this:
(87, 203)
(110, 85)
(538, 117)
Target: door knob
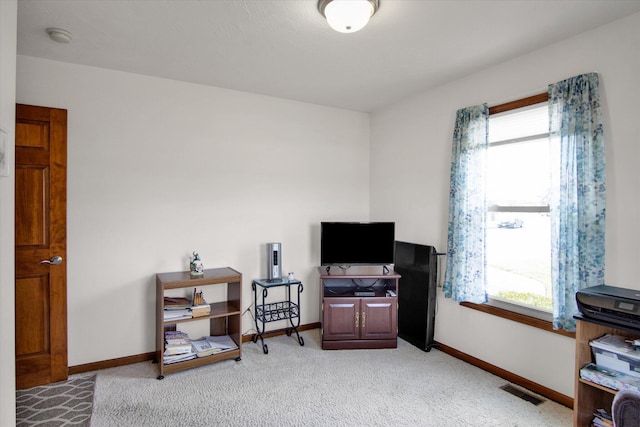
(55, 260)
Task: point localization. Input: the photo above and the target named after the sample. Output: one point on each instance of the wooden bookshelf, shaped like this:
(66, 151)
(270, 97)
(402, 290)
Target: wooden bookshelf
(589, 396)
(224, 319)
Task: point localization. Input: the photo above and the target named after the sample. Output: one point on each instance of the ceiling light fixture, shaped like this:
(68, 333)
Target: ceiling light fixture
(348, 16)
(59, 35)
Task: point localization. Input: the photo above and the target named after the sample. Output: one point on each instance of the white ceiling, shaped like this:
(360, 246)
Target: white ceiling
(285, 48)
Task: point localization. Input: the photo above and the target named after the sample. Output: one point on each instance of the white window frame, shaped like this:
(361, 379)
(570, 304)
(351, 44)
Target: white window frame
(501, 303)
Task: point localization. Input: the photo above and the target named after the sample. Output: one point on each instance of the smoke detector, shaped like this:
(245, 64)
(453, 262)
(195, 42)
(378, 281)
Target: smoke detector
(59, 35)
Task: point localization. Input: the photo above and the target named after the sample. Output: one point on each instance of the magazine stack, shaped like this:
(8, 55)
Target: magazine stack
(176, 308)
(206, 346)
(177, 347)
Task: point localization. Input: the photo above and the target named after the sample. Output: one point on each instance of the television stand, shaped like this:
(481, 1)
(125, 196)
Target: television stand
(359, 308)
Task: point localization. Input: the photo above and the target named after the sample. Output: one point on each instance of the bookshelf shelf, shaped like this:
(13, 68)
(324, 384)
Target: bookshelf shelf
(598, 386)
(218, 309)
(224, 319)
(590, 396)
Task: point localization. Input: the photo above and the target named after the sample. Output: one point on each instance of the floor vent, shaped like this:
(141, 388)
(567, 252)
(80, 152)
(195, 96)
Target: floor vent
(521, 394)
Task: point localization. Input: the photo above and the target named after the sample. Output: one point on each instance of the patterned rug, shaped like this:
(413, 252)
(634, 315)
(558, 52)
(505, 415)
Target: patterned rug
(67, 403)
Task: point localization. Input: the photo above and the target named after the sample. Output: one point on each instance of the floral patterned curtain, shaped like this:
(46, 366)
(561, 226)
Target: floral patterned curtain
(578, 193)
(465, 274)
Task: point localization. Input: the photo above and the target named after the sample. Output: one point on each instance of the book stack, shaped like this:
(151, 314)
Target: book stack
(199, 306)
(201, 310)
(602, 418)
(177, 347)
(177, 308)
(176, 303)
(176, 337)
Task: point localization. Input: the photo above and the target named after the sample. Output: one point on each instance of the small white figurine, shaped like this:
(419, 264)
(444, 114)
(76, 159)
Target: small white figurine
(196, 266)
(291, 276)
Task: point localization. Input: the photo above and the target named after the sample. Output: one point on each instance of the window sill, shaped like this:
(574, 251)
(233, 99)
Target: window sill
(517, 317)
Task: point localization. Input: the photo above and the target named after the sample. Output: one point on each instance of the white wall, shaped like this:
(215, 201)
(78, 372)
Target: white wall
(159, 168)
(410, 162)
(8, 28)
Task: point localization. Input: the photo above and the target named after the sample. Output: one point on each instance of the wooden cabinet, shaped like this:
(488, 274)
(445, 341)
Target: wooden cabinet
(589, 396)
(224, 319)
(351, 320)
(360, 318)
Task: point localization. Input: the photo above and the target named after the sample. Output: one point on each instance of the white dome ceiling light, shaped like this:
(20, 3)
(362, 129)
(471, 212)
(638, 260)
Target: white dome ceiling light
(59, 35)
(348, 16)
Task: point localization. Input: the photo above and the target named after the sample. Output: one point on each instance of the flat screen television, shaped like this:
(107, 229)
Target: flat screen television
(357, 243)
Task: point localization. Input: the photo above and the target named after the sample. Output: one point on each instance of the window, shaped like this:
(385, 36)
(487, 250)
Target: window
(518, 239)
(576, 204)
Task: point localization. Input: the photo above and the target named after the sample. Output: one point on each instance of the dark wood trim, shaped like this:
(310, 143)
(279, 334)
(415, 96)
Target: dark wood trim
(359, 344)
(517, 317)
(145, 357)
(508, 376)
(271, 334)
(519, 103)
(111, 363)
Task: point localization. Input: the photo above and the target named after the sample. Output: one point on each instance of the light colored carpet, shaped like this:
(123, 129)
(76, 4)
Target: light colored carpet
(306, 386)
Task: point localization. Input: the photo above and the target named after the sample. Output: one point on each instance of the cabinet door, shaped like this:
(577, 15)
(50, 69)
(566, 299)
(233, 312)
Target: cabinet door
(340, 319)
(379, 318)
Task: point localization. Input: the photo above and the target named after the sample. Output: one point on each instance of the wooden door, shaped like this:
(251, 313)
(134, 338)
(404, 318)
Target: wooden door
(379, 318)
(40, 238)
(341, 319)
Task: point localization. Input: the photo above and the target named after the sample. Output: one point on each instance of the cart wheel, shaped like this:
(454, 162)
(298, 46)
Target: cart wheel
(288, 332)
(160, 377)
(238, 359)
(300, 340)
(265, 349)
